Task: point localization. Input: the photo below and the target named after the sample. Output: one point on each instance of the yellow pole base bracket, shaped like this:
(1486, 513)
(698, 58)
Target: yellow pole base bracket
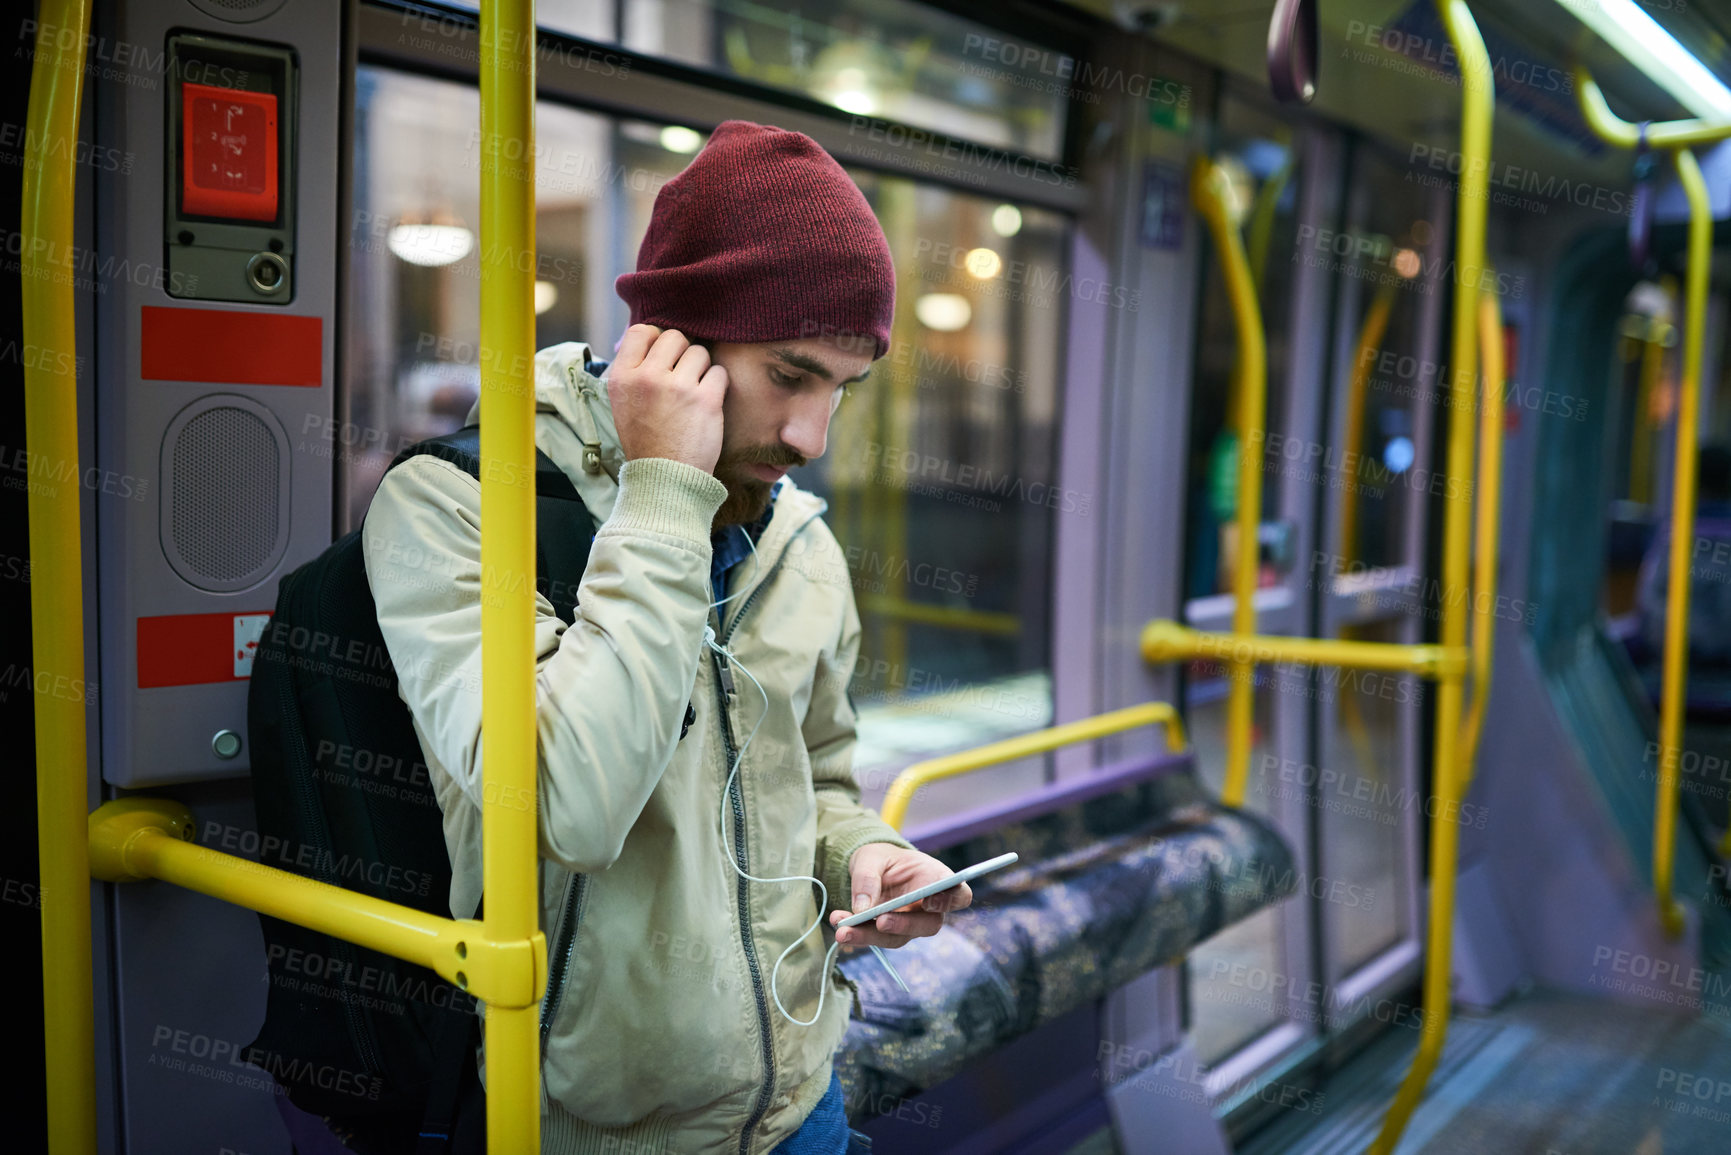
(116, 827)
(1164, 640)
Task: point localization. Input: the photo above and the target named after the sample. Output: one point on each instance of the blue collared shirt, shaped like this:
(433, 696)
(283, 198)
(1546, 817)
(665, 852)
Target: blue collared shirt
(731, 547)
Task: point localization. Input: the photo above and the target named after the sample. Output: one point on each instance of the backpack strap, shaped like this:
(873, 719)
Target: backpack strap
(564, 531)
(564, 527)
(458, 1034)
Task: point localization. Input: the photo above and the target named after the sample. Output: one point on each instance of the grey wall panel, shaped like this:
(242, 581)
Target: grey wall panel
(153, 736)
(191, 988)
(180, 978)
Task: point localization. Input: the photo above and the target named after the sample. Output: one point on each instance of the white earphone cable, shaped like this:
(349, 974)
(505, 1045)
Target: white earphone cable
(709, 640)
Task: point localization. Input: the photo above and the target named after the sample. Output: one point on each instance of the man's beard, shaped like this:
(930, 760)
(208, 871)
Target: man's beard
(747, 494)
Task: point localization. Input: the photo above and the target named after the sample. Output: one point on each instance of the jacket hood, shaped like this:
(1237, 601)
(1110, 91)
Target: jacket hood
(574, 426)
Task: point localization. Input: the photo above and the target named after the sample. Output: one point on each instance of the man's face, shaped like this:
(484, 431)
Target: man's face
(780, 398)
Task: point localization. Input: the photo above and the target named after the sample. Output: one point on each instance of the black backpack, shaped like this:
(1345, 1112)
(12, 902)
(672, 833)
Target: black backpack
(372, 1043)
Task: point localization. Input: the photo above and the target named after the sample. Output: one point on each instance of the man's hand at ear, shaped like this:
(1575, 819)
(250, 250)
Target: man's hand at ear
(882, 870)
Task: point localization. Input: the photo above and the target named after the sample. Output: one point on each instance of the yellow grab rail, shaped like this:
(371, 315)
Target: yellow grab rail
(1478, 97)
(1212, 194)
(510, 838)
(1656, 334)
(1369, 341)
(1676, 135)
(132, 839)
(901, 791)
(1489, 498)
(1676, 661)
(1164, 640)
(501, 959)
(57, 574)
(1613, 129)
(945, 617)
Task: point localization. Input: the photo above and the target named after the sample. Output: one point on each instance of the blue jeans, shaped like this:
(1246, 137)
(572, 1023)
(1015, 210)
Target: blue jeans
(825, 1130)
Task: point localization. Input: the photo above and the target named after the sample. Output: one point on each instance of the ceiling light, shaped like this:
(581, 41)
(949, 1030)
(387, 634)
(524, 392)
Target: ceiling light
(983, 264)
(945, 312)
(546, 295)
(1646, 44)
(1006, 220)
(678, 138)
(430, 239)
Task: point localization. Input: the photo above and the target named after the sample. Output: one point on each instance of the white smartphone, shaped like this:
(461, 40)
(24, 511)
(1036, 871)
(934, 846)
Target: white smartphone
(930, 889)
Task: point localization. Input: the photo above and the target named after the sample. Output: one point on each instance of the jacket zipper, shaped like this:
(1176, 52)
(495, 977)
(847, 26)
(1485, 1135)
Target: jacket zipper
(564, 946)
(723, 676)
(723, 683)
(739, 615)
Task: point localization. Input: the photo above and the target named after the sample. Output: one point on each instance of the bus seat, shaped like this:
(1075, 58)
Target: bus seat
(1120, 873)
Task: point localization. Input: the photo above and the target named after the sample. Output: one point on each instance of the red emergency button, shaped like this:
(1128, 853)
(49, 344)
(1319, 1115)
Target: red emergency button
(229, 153)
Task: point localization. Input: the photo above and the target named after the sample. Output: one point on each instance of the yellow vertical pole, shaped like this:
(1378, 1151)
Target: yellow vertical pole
(57, 574)
(508, 733)
(1212, 195)
(1477, 99)
(1676, 672)
(1369, 341)
(1489, 499)
(1641, 445)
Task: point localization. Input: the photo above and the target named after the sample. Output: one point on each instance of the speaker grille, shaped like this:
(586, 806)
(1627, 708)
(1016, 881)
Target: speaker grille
(225, 501)
(237, 11)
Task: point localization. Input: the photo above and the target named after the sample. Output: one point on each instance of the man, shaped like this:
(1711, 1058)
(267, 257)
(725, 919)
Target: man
(677, 985)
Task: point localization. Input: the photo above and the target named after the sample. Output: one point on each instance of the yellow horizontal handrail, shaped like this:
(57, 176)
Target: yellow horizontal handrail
(946, 617)
(1613, 129)
(901, 791)
(137, 838)
(1164, 640)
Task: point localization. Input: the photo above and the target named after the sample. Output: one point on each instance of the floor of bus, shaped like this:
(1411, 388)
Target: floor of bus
(1546, 1074)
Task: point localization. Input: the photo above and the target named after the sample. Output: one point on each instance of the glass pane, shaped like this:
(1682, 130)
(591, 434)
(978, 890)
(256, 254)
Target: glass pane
(413, 368)
(588, 19)
(1233, 993)
(1259, 153)
(1364, 803)
(1638, 445)
(941, 476)
(891, 59)
(1390, 252)
(940, 468)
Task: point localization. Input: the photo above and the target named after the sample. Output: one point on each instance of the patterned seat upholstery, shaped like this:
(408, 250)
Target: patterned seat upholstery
(1106, 889)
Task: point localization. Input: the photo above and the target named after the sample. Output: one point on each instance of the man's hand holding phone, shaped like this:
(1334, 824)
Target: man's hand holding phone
(883, 868)
(666, 395)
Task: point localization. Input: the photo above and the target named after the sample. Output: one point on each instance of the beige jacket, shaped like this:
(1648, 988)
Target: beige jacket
(660, 1032)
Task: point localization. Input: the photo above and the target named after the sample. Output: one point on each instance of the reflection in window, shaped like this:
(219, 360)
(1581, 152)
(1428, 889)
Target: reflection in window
(895, 60)
(413, 357)
(891, 59)
(1392, 263)
(940, 469)
(1228, 1008)
(1365, 807)
(1259, 155)
(941, 479)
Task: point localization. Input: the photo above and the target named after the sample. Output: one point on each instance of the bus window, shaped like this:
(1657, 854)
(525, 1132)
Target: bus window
(940, 471)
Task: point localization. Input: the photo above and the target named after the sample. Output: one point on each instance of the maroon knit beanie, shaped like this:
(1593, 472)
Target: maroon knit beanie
(763, 237)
